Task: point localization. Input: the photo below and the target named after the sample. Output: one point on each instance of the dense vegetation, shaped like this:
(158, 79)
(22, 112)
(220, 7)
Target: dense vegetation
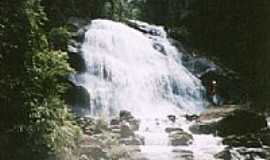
(35, 122)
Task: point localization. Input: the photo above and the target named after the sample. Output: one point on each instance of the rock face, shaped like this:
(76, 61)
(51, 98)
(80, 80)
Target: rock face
(178, 138)
(79, 98)
(77, 62)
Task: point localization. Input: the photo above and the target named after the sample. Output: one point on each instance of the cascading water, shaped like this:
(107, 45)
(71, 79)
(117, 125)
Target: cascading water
(142, 72)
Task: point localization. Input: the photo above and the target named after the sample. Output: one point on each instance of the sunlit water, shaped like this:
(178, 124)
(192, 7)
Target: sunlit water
(126, 72)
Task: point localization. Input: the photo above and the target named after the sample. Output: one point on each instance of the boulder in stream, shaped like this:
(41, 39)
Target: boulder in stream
(178, 138)
(229, 120)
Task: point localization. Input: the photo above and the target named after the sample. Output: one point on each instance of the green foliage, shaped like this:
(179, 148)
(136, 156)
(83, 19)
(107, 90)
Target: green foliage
(58, 38)
(35, 123)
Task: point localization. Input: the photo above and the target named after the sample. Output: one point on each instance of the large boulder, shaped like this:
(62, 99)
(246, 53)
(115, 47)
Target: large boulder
(180, 138)
(247, 140)
(241, 122)
(229, 120)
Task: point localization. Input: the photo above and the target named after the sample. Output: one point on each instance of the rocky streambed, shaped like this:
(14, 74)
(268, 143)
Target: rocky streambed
(223, 133)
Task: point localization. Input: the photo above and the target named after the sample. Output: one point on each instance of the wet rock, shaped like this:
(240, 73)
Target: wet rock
(76, 61)
(253, 153)
(241, 122)
(183, 154)
(203, 128)
(134, 124)
(192, 117)
(180, 138)
(79, 98)
(160, 48)
(126, 130)
(172, 118)
(229, 120)
(125, 115)
(132, 140)
(224, 155)
(173, 129)
(265, 137)
(248, 140)
(115, 121)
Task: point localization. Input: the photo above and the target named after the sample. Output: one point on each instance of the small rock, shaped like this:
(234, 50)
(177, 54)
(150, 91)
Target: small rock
(115, 122)
(224, 155)
(191, 117)
(132, 141)
(183, 154)
(173, 129)
(203, 128)
(180, 138)
(172, 118)
(134, 124)
(126, 131)
(125, 115)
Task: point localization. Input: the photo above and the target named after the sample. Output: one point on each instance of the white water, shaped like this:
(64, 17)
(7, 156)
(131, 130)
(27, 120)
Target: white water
(125, 72)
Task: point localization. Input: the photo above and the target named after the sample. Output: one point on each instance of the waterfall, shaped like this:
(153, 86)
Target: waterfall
(140, 71)
(137, 71)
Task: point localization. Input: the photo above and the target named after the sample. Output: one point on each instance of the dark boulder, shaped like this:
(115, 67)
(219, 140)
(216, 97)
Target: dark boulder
(173, 129)
(265, 137)
(204, 128)
(79, 98)
(229, 120)
(77, 62)
(241, 122)
(247, 140)
(125, 115)
(224, 155)
(192, 117)
(178, 138)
